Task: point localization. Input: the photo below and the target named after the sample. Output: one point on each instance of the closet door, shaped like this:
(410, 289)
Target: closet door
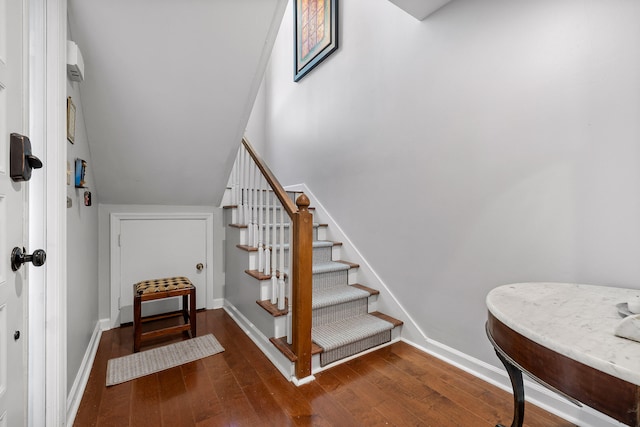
(157, 248)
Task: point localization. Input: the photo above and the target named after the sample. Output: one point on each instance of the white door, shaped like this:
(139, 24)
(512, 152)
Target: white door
(13, 285)
(157, 248)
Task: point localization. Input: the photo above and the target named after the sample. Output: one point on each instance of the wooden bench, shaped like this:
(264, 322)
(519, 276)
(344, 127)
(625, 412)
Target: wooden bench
(150, 290)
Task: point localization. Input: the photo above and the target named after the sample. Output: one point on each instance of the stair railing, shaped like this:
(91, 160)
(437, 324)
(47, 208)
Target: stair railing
(261, 205)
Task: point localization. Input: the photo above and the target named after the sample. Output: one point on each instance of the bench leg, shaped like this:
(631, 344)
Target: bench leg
(192, 309)
(137, 323)
(185, 308)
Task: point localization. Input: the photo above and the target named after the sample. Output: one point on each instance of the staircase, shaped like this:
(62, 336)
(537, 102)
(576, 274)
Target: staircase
(344, 317)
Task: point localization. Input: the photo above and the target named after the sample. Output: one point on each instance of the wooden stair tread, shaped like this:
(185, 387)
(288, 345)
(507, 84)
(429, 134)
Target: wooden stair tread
(366, 288)
(273, 308)
(258, 275)
(350, 264)
(248, 248)
(284, 347)
(395, 322)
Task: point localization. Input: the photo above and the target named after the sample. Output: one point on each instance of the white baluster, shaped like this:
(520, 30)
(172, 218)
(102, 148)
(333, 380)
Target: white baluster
(250, 204)
(241, 182)
(290, 326)
(236, 183)
(274, 279)
(281, 294)
(267, 252)
(254, 215)
(260, 226)
(247, 171)
(274, 289)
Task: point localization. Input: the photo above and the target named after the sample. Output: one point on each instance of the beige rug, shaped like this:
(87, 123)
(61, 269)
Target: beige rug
(137, 365)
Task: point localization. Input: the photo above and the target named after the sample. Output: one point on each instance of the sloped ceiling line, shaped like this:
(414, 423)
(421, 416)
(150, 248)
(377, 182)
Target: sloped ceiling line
(420, 9)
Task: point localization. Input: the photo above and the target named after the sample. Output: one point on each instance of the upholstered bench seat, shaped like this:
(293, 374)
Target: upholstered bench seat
(149, 290)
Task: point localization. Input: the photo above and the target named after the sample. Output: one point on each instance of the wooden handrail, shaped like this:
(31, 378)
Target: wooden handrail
(277, 188)
(301, 266)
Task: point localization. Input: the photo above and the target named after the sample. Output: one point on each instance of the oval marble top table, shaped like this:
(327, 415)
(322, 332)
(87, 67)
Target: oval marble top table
(563, 335)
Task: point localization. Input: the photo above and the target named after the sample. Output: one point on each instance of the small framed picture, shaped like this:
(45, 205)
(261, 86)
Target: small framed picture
(80, 171)
(87, 198)
(71, 120)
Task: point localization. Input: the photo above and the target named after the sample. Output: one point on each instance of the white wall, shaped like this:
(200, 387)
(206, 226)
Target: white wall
(82, 249)
(256, 130)
(493, 142)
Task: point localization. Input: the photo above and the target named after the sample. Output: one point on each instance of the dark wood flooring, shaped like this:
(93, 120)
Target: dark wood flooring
(397, 385)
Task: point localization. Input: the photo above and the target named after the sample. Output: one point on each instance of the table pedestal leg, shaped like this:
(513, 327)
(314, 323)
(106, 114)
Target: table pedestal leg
(515, 375)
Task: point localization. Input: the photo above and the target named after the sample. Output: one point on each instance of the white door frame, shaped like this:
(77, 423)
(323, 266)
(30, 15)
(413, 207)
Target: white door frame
(47, 386)
(115, 260)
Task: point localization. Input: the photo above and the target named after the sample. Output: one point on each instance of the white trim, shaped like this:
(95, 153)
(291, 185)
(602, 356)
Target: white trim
(268, 349)
(56, 220)
(80, 383)
(305, 380)
(115, 219)
(218, 303)
(37, 215)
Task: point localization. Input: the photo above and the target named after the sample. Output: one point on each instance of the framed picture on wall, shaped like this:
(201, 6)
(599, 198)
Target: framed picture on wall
(80, 172)
(315, 33)
(71, 120)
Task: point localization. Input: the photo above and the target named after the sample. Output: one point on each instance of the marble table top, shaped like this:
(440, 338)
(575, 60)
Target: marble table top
(574, 320)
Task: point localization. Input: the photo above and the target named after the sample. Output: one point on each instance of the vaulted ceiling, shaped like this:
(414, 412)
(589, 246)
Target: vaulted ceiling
(168, 91)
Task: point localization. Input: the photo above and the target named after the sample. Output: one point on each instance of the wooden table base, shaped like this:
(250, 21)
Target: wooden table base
(573, 380)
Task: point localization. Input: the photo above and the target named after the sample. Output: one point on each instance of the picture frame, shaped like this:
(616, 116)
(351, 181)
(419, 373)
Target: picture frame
(80, 172)
(71, 120)
(315, 34)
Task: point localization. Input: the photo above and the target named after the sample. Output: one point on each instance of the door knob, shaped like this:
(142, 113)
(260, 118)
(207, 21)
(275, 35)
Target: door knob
(199, 266)
(18, 257)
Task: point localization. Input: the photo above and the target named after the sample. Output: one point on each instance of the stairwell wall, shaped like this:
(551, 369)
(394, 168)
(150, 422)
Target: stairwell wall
(493, 142)
(82, 249)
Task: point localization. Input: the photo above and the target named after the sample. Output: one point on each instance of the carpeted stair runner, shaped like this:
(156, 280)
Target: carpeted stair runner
(341, 325)
(350, 336)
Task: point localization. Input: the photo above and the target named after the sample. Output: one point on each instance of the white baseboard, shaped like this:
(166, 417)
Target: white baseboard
(80, 383)
(268, 349)
(305, 380)
(534, 392)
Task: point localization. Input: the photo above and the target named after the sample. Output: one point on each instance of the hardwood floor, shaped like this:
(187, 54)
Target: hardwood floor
(397, 385)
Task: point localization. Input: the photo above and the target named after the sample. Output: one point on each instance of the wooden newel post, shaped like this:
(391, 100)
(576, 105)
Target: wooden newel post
(301, 292)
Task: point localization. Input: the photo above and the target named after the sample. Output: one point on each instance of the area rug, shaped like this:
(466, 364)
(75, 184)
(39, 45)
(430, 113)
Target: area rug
(147, 362)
